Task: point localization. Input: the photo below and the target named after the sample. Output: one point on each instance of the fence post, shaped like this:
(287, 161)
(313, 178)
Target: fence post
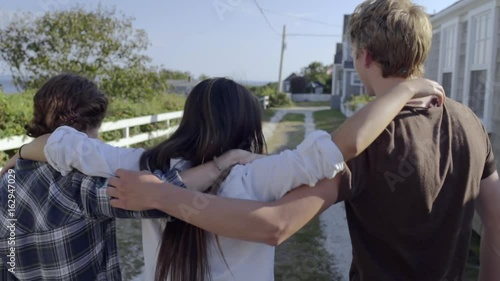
(264, 102)
(126, 134)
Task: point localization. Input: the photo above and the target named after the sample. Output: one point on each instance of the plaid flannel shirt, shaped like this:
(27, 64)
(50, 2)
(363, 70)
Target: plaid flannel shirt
(60, 227)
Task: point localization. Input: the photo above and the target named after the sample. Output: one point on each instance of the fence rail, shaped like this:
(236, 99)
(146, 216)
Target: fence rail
(124, 124)
(15, 142)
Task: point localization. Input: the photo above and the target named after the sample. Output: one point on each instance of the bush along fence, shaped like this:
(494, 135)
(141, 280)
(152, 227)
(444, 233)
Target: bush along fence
(123, 133)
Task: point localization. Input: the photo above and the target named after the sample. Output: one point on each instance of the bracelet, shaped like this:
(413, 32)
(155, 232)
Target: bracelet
(20, 148)
(217, 165)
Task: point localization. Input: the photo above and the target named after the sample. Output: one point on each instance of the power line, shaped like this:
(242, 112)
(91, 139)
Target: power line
(302, 18)
(265, 17)
(263, 13)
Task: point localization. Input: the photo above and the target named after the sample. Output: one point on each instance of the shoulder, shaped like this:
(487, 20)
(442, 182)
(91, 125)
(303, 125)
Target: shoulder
(458, 111)
(237, 185)
(85, 181)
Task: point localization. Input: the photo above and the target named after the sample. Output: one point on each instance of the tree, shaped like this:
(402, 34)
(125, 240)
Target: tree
(174, 75)
(203, 77)
(317, 72)
(101, 45)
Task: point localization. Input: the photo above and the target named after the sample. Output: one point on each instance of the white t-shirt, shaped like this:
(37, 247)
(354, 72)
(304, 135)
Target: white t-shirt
(266, 179)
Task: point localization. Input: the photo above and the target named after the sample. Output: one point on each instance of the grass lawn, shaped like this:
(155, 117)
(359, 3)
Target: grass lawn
(302, 256)
(312, 103)
(268, 114)
(328, 120)
(472, 268)
(129, 239)
(294, 117)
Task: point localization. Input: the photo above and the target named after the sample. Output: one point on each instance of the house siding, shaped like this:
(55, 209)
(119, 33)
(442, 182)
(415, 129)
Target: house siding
(495, 118)
(350, 89)
(459, 94)
(432, 64)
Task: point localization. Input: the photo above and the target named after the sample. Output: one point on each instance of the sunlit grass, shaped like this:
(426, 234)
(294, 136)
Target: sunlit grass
(302, 256)
(328, 120)
(268, 114)
(312, 103)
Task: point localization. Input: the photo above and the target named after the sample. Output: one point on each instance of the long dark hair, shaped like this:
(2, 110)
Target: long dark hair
(219, 115)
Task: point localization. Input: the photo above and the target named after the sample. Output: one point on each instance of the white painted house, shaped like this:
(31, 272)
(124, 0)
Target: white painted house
(465, 58)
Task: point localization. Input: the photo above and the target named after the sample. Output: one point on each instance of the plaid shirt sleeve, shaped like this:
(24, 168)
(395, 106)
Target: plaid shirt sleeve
(96, 202)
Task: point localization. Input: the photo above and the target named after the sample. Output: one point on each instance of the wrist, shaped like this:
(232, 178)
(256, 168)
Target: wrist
(226, 160)
(20, 151)
(412, 90)
(158, 198)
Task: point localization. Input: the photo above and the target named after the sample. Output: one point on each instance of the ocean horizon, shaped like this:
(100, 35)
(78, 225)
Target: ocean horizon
(7, 85)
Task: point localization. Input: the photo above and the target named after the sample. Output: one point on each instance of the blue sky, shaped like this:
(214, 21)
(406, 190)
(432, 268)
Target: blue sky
(228, 37)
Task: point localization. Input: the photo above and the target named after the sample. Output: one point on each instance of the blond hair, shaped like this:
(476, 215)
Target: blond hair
(396, 33)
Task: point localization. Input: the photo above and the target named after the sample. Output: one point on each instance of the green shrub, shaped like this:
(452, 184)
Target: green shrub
(358, 100)
(16, 111)
(275, 99)
(124, 109)
(279, 100)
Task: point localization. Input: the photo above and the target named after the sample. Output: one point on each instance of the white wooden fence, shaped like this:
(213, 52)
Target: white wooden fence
(264, 102)
(125, 125)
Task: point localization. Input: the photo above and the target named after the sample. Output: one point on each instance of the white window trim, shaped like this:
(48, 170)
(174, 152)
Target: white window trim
(353, 75)
(490, 68)
(344, 86)
(454, 68)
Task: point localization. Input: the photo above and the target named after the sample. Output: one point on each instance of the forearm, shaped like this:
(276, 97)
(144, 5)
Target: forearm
(300, 206)
(203, 176)
(359, 131)
(269, 223)
(235, 218)
(490, 256)
(34, 150)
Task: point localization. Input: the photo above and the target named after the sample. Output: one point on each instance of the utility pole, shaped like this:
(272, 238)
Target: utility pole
(283, 47)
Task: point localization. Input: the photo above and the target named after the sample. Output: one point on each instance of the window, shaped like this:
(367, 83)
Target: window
(477, 92)
(448, 47)
(479, 62)
(480, 56)
(481, 40)
(446, 83)
(355, 81)
(448, 56)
